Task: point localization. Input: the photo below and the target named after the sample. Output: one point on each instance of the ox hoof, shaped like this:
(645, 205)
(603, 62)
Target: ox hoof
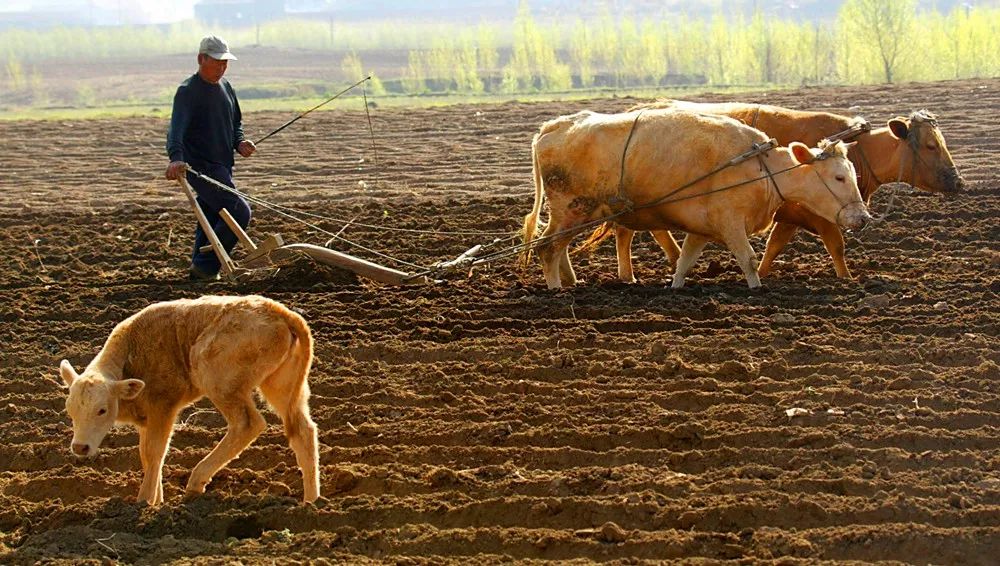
(196, 488)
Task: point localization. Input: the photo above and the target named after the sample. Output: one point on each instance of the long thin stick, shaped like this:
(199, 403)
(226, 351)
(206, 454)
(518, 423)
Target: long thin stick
(371, 130)
(39, 255)
(293, 120)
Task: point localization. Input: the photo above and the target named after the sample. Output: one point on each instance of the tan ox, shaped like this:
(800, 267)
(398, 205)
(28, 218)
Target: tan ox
(911, 150)
(577, 163)
(171, 354)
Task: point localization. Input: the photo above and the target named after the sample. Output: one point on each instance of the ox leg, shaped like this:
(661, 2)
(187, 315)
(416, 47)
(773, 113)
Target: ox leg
(779, 237)
(623, 247)
(554, 255)
(668, 244)
(746, 257)
(833, 239)
(693, 246)
(244, 425)
(566, 273)
(288, 394)
(551, 264)
(154, 438)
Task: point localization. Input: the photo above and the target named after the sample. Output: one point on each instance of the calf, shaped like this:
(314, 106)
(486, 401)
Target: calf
(168, 355)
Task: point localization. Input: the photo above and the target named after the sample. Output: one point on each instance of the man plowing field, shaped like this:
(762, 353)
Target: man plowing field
(206, 127)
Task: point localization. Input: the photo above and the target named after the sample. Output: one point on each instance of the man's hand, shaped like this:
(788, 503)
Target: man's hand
(175, 170)
(246, 148)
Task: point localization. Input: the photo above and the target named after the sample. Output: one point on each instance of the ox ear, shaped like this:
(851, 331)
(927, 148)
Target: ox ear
(801, 152)
(67, 372)
(899, 127)
(128, 388)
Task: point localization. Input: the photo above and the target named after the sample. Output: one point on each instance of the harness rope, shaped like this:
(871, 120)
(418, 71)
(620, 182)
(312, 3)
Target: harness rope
(622, 198)
(760, 158)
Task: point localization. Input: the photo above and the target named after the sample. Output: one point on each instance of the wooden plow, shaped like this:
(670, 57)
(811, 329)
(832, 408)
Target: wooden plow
(274, 251)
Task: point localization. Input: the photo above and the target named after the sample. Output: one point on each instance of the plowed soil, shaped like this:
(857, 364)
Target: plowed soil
(487, 419)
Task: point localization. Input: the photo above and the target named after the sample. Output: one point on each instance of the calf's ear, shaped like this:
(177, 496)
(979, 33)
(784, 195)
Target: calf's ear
(128, 388)
(801, 152)
(899, 127)
(67, 372)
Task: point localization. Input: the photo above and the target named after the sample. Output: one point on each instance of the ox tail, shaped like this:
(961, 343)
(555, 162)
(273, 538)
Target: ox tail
(531, 221)
(599, 234)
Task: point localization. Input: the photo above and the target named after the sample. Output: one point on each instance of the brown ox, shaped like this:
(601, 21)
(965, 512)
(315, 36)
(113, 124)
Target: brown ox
(911, 150)
(170, 354)
(578, 163)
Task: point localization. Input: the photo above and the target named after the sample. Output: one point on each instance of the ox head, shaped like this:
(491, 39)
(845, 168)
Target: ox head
(924, 159)
(831, 189)
(92, 403)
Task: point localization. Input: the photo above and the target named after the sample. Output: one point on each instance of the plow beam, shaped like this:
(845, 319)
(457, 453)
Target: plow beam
(360, 266)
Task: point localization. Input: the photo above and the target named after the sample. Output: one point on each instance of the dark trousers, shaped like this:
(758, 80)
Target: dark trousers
(212, 200)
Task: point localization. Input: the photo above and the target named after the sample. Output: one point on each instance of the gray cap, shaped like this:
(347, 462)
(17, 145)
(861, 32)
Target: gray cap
(215, 47)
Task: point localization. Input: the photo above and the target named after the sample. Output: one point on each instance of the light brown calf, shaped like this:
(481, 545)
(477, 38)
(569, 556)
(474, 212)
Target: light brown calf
(908, 149)
(170, 354)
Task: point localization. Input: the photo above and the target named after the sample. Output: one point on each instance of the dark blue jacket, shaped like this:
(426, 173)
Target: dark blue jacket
(206, 125)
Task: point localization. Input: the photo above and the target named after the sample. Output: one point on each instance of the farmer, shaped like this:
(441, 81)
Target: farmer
(206, 126)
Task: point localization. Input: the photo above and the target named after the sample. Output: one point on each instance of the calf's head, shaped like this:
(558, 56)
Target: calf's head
(924, 159)
(828, 184)
(92, 403)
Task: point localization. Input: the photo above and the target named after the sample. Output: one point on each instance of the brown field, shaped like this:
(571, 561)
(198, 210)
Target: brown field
(487, 419)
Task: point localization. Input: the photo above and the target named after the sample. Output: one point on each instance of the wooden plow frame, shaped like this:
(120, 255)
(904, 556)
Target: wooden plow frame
(274, 251)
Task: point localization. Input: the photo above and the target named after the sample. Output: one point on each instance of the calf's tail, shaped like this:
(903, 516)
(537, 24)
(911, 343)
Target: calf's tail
(297, 363)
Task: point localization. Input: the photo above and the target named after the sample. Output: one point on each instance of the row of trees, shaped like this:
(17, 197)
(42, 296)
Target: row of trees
(871, 41)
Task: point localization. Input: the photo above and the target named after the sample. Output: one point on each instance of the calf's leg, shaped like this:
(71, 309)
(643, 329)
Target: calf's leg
(244, 425)
(693, 246)
(288, 394)
(154, 438)
(144, 459)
